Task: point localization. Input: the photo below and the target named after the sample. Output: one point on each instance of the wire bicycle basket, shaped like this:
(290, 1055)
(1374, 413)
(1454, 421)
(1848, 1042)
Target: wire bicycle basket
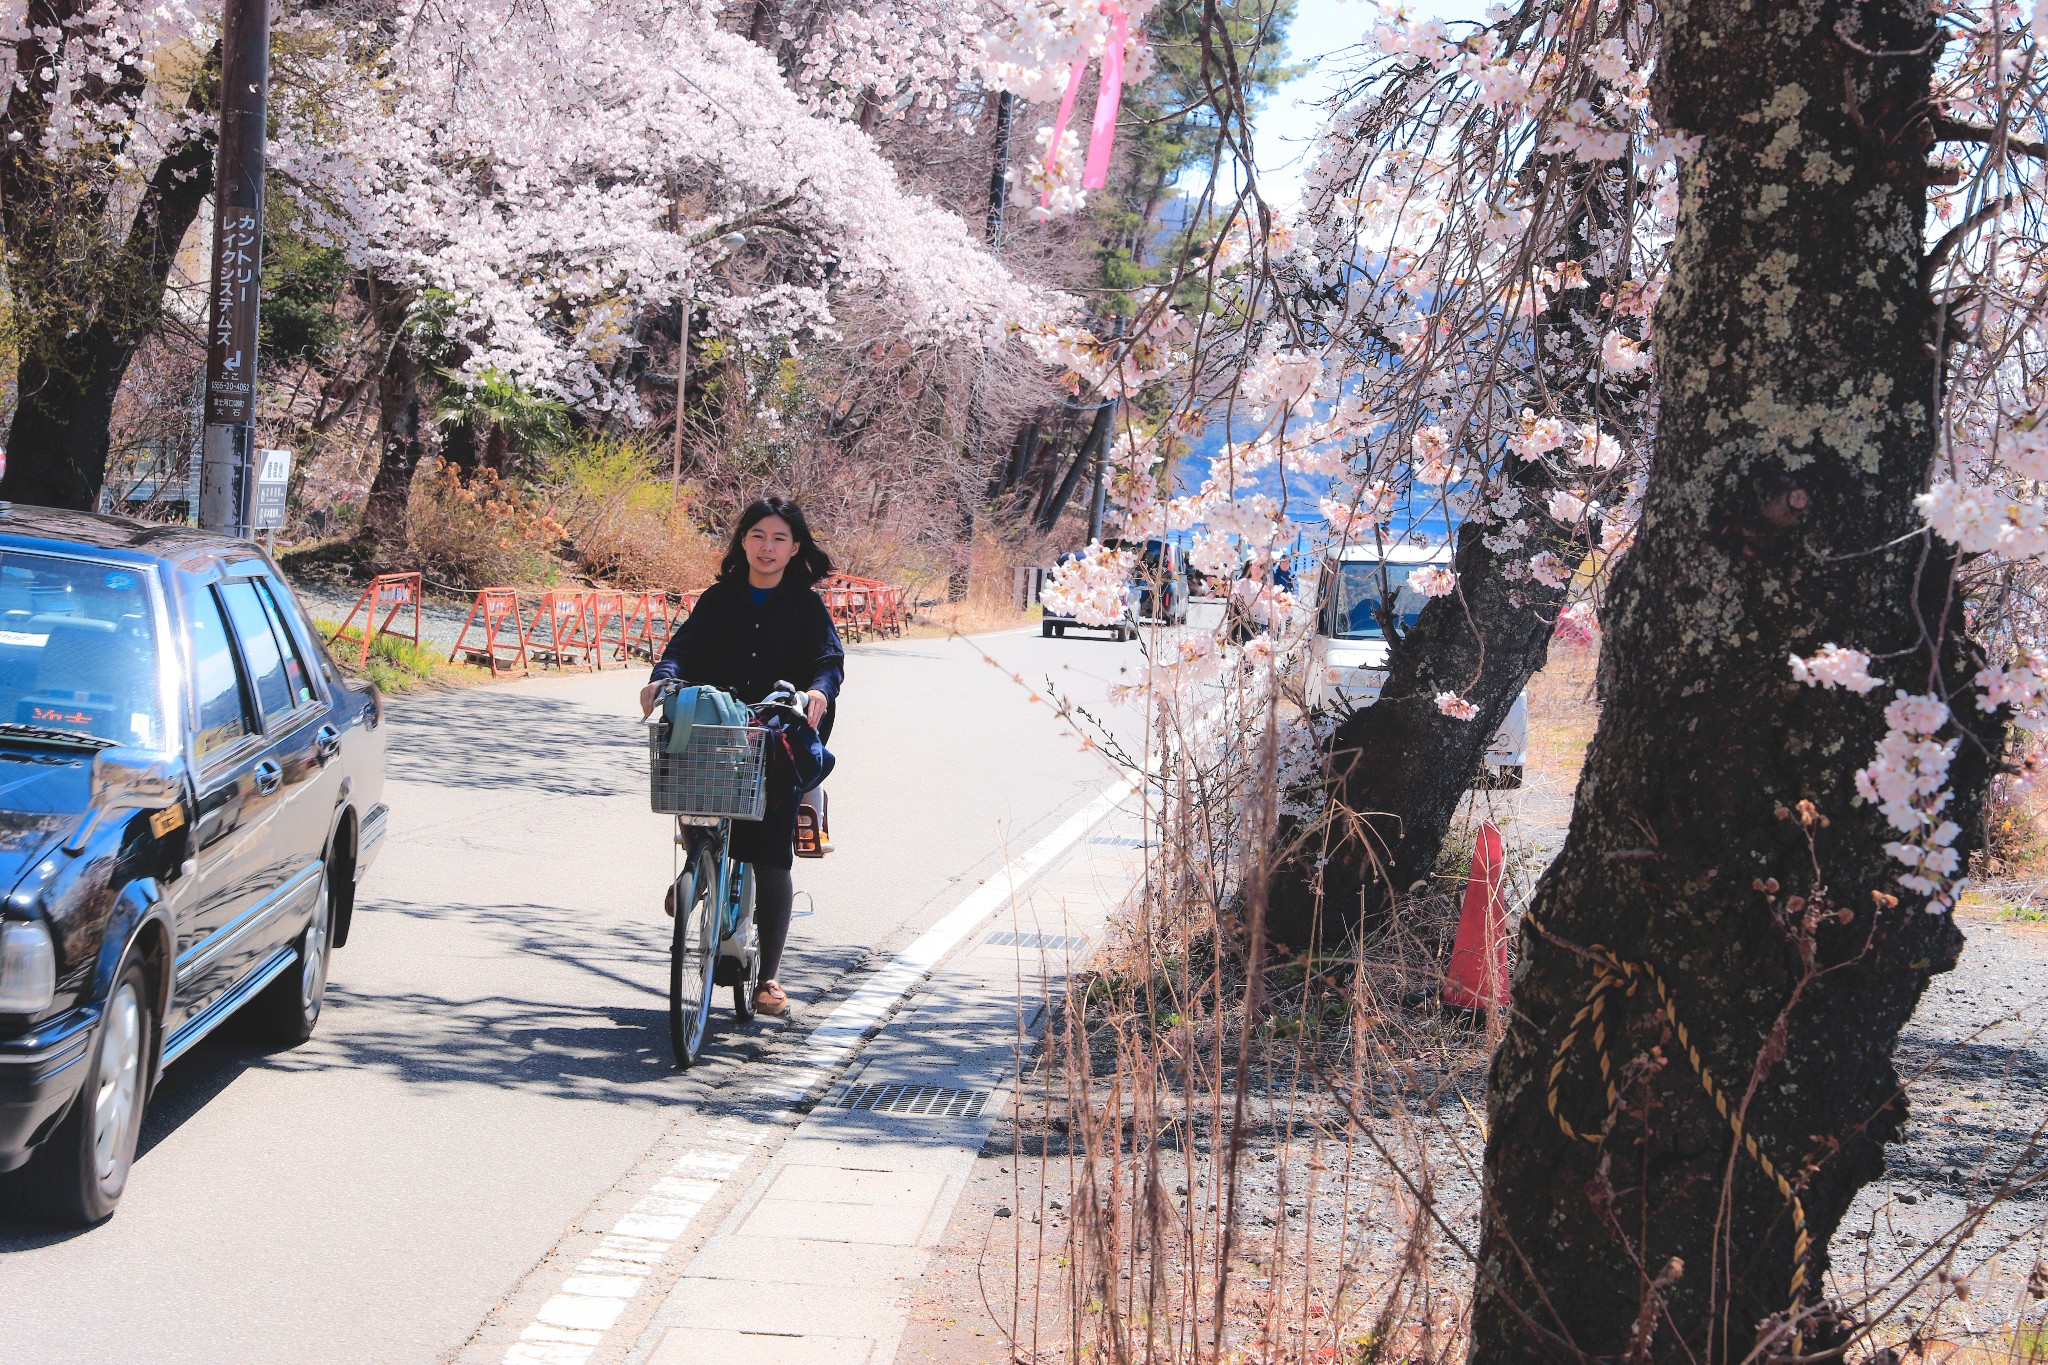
(722, 771)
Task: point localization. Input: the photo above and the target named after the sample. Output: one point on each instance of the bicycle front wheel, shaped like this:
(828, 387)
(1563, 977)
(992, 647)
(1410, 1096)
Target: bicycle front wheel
(694, 953)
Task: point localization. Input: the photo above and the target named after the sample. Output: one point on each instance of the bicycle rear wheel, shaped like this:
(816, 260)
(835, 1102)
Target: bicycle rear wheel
(746, 976)
(694, 953)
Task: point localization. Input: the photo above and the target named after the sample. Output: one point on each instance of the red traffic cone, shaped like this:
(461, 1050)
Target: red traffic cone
(1477, 978)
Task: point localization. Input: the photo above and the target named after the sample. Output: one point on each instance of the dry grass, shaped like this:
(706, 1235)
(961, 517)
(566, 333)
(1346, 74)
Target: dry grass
(1231, 1155)
(990, 603)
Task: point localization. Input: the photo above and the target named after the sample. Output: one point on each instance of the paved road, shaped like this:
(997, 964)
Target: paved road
(493, 1058)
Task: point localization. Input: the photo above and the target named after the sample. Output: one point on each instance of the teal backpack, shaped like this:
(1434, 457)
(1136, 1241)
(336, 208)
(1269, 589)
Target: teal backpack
(688, 707)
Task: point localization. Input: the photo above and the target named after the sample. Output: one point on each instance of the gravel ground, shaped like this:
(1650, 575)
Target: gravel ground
(1971, 1176)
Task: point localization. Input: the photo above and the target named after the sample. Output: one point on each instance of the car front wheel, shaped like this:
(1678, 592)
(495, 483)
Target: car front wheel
(289, 1007)
(76, 1177)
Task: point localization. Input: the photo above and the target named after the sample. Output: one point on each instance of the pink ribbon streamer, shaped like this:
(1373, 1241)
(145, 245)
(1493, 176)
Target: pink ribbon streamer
(1108, 96)
(1096, 174)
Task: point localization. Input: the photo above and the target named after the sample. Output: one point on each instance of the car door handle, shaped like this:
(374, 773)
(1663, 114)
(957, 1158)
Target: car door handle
(326, 743)
(269, 777)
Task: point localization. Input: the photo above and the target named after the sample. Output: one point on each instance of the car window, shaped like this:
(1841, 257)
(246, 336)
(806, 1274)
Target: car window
(1354, 602)
(296, 675)
(259, 648)
(223, 718)
(78, 649)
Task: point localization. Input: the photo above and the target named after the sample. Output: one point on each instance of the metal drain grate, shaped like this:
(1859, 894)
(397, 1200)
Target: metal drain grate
(928, 1101)
(1010, 938)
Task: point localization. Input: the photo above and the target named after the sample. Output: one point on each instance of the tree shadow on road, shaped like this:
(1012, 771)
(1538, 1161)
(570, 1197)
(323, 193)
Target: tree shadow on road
(494, 738)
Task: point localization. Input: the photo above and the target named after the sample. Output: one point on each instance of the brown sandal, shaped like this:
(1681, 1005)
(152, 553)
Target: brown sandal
(770, 1000)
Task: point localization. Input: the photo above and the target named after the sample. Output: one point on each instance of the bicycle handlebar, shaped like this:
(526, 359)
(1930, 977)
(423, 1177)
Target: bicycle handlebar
(783, 696)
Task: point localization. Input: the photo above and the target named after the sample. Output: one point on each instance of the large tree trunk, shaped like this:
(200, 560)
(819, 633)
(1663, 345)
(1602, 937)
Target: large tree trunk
(1092, 448)
(85, 308)
(399, 447)
(1399, 768)
(1795, 350)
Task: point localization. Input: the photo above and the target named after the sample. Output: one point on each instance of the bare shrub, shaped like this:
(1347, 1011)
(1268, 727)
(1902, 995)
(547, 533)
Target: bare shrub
(1251, 1153)
(479, 532)
(625, 523)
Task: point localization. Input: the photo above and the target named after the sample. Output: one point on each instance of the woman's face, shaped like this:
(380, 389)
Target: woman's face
(770, 545)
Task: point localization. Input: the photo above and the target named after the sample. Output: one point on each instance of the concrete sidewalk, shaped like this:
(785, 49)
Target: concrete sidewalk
(818, 1262)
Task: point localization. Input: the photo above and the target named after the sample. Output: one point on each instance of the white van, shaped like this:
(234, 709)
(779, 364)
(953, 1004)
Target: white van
(1348, 658)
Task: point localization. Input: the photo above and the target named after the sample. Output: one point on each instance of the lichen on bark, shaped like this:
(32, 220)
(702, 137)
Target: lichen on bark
(1798, 381)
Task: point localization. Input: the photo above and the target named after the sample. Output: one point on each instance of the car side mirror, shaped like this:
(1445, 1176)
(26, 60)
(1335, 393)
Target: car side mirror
(127, 779)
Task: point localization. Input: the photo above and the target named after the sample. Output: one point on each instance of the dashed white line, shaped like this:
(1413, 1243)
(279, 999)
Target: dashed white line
(568, 1328)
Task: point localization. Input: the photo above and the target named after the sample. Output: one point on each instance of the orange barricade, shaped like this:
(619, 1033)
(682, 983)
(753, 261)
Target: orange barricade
(648, 626)
(607, 612)
(566, 618)
(845, 607)
(893, 618)
(390, 593)
(495, 609)
(863, 606)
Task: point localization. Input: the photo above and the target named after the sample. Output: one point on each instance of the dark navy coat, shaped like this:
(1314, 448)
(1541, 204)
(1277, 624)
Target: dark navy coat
(729, 642)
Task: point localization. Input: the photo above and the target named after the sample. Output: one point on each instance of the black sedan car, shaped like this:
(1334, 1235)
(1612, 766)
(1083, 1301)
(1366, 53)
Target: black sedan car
(189, 791)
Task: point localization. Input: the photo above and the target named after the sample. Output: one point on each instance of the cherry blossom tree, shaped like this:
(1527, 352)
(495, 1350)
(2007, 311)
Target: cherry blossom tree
(106, 160)
(1767, 844)
(1735, 309)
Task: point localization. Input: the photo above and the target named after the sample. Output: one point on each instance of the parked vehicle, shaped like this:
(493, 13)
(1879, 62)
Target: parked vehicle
(1158, 591)
(1348, 655)
(189, 792)
(1123, 628)
(1160, 581)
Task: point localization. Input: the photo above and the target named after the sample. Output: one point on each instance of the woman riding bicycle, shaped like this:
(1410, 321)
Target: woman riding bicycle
(758, 625)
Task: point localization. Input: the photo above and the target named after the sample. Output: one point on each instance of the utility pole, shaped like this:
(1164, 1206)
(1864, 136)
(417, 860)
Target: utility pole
(972, 432)
(675, 472)
(227, 447)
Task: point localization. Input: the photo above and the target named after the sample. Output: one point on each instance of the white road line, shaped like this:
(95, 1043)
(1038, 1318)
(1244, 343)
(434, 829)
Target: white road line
(567, 1329)
(834, 1041)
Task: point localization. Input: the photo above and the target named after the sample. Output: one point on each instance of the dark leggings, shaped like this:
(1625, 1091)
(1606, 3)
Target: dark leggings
(773, 896)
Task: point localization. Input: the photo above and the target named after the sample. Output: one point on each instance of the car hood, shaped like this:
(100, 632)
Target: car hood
(42, 796)
(1357, 654)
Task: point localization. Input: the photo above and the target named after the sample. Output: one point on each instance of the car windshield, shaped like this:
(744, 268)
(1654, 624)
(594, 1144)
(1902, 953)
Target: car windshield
(1351, 606)
(78, 652)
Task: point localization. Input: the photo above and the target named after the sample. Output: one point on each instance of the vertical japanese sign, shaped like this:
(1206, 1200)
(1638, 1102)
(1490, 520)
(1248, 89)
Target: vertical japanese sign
(237, 283)
(226, 483)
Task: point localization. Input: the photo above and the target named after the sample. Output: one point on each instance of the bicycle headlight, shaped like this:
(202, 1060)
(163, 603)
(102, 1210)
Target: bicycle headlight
(28, 967)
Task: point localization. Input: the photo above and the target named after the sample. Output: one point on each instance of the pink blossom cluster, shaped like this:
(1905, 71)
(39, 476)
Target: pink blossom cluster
(1433, 581)
(1578, 624)
(1455, 706)
(1908, 782)
(1093, 588)
(2020, 685)
(1833, 666)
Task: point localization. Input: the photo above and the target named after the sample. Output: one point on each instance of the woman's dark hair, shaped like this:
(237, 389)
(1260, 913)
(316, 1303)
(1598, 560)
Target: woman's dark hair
(806, 566)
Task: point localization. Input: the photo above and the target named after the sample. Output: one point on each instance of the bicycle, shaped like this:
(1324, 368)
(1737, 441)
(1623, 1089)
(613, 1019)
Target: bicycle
(718, 778)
